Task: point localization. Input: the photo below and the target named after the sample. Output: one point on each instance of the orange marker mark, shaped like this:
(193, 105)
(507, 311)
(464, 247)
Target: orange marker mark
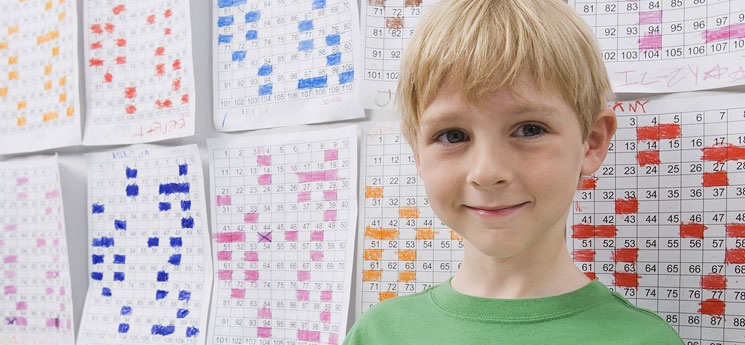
(96, 29)
(62, 81)
(118, 9)
(151, 19)
(12, 29)
(176, 84)
(96, 45)
(3, 45)
(163, 104)
(121, 42)
(120, 60)
(61, 16)
(408, 212)
(21, 105)
(55, 51)
(167, 13)
(47, 37)
(407, 255)
(12, 60)
(185, 99)
(372, 254)
(3, 91)
(96, 62)
(108, 77)
(63, 97)
(48, 6)
(13, 75)
(712, 306)
(47, 69)
(373, 192)
(407, 276)
(455, 236)
(159, 51)
(380, 233)
(160, 69)
(176, 65)
(371, 275)
(50, 116)
(108, 27)
(382, 296)
(166, 31)
(734, 256)
(626, 279)
(47, 85)
(21, 121)
(130, 109)
(70, 111)
(130, 92)
(424, 234)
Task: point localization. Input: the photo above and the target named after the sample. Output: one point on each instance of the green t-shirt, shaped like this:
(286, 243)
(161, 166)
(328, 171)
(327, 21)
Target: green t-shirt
(440, 315)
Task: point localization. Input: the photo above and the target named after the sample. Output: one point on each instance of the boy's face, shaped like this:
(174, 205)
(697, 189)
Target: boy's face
(503, 174)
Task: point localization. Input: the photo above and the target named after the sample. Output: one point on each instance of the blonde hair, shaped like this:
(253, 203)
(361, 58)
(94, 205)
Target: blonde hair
(484, 45)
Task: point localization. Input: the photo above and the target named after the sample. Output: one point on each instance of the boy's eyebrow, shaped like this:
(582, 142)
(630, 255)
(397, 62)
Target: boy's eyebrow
(525, 106)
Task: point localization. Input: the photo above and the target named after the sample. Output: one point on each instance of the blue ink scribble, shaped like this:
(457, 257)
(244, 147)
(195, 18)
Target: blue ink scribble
(225, 117)
(253, 16)
(126, 310)
(305, 83)
(97, 275)
(119, 276)
(191, 332)
(133, 190)
(224, 3)
(265, 89)
(184, 295)
(120, 224)
(181, 313)
(346, 77)
(97, 259)
(319, 4)
(120, 259)
(239, 55)
(224, 21)
(319, 82)
(175, 259)
(162, 330)
(160, 294)
(252, 35)
(224, 39)
(97, 208)
(265, 70)
(153, 242)
(333, 40)
(162, 276)
(183, 169)
(170, 188)
(103, 242)
(106, 292)
(305, 45)
(176, 242)
(123, 327)
(164, 206)
(131, 173)
(333, 59)
(187, 223)
(185, 205)
(239, 2)
(305, 25)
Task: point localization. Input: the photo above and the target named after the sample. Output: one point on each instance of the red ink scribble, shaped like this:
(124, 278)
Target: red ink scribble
(652, 17)
(712, 306)
(131, 109)
(626, 279)
(627, 206)
(725, 33)
(577, 207)
(185, 99)
(96, 45)
(160, 69)
(735, 256)
(714, 281)
(159, 51)
(618, 105)
(166, 31)
(130, 92)
(591, 275)
(648, 157)
(735, 229)
(588, 231)
(715, 179)
(163, 104)
(692, 230)
(650, 41)
(227, 237)
(96, 62)
(121, 42)
(176, 84)
(118, 9)
(176, 65)
(630, 255)
(109, 27)
(120, 60)
(108, 77)
(167, 13)
(151, 19)
(723, 152)
(96, 28)
(589, 182)
(657, 132)
(584, 255)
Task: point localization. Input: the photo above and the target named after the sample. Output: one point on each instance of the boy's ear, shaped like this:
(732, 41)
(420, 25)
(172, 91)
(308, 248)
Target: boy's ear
(596, 146)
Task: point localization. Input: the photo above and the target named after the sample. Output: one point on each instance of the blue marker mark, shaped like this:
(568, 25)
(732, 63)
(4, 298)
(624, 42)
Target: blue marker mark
(185, 205)
(133, 190)
(184, 295)
(120, 224)
(191, 332)
(120, 259)
(152, 242)
(252, 35)
(160, 294)
(175, 259)
(123, 327)
(224, 39)
(183, 169)
(333, 40)
(106, 292)
(97, 208)
(164, 206)
(239, 2)
(224, 117)
(119, 276)
(162, 330)
(305, 45)
(103, 242)
(224, 21)
(253, 16)
(162, 276)
(126, 310)
(305, 83)
(319, 4)
(333, 59)
(265, 89)
(265, 70)
(224, 3)
(346, 77)
(187, 223)
(319, 82)
(131, 173)
(239, 55)
(170, 188)
(176, 242)
(305, 25)
(97, 259)
(97, 275)
(181, 313)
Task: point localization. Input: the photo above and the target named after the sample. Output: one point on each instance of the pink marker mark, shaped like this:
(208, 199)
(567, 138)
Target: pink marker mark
(302, 335)
(264, 332)
(314, 336)
(11, 227)
(21, 305)
(10, 274)
(62, 307)
(291, 236)
(325, 316)
(265, 313)
(56, 257)
(252, 276)
(21, 196)
(50, 290)
(40, 242)
(223, 200)
(56, 242)
(316, 236)
(21, 181)
(10, 259)
(330, 175)
(333, 339)
(48, 211)
(303, 295)
(652, 17)
(52, 274)
(53, 322)
(265, 179)
(251, 256)
(303, 196)
(224, 255)
(329, 195)
(238, 293)
(303, 275)
(316, 255)
(264, 160)
(52, 194)
(62, 291)
(728, 32)
(225, 274)
(329, 216)
(227, 237)
(327, 295)
(650, 41)
(251, 218)
(10, 289)
(21, 321)
(2, 243)
(331, 155)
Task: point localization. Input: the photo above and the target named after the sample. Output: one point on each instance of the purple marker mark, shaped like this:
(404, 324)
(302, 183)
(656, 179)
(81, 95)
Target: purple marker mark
(185, 205)
(184, 295)
(650, 41)
(96, 208)
(133, 190)
(160, 294)
(123, 327)
(652, 17)
(162, 276)
(265, 237)
(162, 330)
(181, 313)
(164, 206)
(264, 160)
(732, 31)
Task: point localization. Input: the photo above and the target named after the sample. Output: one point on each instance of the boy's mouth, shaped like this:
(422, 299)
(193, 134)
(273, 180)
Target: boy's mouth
(494, 211)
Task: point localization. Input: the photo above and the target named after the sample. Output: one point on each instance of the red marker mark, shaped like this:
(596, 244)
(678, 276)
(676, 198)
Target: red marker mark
(577, 207)
(109, 27)
(591, 275)
(120, 60)
(130, 92)
(176, 84)
(96, 45)
(692, 230)
(629, 255)
(606, 231)
(159, 51)
(131, 109)
(96, 28)
(625, 279)
(584, 255)
(96, 62)
(735, 256)
(712, 306)
(167, 13)
(648, 157)
(587, 231)
(185, 99)
(121, 42)
(160, 69)
(151, 19)
(714, 281)
(657, 132)
(166, 31)
(627, 206)
(108, 77)
(176, 65)
(724, 152)
(164, 104)
(715, 179)
(735, 229)
(118, 9)
(589, 182)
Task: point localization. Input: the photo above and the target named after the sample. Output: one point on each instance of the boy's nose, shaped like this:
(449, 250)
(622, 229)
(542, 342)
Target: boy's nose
(489, 167)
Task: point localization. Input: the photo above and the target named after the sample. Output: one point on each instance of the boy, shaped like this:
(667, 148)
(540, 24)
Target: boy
(504, 106)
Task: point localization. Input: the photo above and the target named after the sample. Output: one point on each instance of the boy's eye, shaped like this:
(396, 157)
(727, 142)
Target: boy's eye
(452, 136)
(530, 130)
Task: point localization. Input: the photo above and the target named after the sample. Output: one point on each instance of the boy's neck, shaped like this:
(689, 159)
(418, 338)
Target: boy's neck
(549, 273)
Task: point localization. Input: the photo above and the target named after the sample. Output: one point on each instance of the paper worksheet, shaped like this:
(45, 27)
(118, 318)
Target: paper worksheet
(286, 62)
(284, 213)
(149, 256)
(36, 303)
(39, 79)
(139, 72)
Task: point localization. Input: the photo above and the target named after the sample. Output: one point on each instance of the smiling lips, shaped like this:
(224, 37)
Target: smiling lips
(494, 212)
